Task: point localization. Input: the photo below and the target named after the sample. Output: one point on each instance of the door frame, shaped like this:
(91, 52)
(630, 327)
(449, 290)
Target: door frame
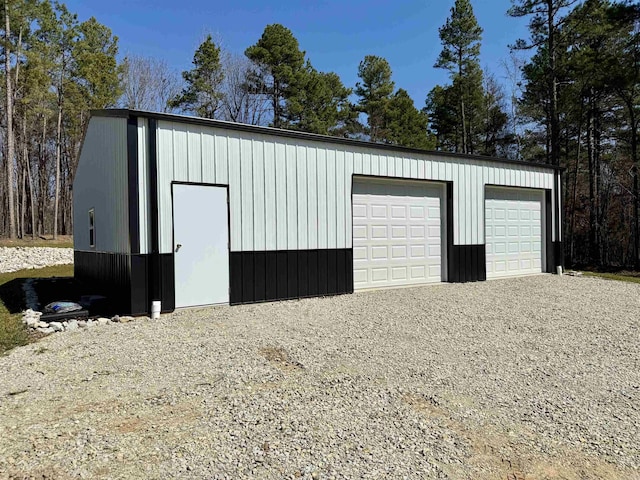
(173, 224)
(545, 213)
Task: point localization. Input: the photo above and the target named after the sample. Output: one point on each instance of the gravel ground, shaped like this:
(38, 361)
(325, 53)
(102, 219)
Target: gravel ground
(18, 258)
(529, 378)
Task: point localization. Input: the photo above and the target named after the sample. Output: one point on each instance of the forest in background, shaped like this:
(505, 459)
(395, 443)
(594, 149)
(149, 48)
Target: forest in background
(569, 95)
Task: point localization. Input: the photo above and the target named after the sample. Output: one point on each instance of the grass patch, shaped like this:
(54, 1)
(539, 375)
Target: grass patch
(13, 332)
(633, 278)
(63, 241)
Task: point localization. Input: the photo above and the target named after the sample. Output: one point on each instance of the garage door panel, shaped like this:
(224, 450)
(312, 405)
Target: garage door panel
(360, 253)
(417, 213)
(359, 211)
(435, 271)
(360, 275)
(398, 212)
(379, 274)
(399, 273)
(418, 251)
(404, 248)
(379, 253)
(360, 232)
(418, 272)
(379, 211)
(513, 231)
(379, 232)
(399, 252)
(398, 232)
(417, 231)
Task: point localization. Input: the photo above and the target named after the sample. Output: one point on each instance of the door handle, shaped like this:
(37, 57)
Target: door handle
(178, 247)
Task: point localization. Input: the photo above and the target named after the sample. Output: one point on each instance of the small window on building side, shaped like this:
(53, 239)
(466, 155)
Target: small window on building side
(92, 229)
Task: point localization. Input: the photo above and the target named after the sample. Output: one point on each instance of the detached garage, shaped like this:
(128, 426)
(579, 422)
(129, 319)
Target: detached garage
(189, 211)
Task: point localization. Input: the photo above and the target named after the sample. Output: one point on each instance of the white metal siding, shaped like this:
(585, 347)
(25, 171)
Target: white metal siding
(143, 185)
(290, 193)
(101, 182)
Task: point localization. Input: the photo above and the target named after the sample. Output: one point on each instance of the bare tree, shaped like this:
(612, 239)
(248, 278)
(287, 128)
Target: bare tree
(240, 104)
(512, 67)
(148, 84)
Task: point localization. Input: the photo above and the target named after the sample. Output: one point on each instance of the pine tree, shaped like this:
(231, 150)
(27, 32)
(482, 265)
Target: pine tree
(461, 36)
(442, 108)
(404, 124)
(279, 63)
(375, 92)
(319, 103)
(202, 94)
(545, 23)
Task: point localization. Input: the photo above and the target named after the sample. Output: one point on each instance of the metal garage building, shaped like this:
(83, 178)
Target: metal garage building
(191, 211)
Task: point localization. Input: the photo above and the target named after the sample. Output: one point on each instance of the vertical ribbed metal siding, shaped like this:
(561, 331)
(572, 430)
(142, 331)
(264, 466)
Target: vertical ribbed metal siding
(295, 194)
(101, 182)
(143, 185)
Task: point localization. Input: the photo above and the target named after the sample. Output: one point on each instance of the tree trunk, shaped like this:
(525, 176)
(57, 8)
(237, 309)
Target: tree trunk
(276, 105)
(24, 202)
(593, 193)
(636, 192)
(57, 184)
(9, 113)
(575, 196)
(464, 126)
(553, 83)
(463, 117)
(601, 200)
(42, 177)
(33, 204)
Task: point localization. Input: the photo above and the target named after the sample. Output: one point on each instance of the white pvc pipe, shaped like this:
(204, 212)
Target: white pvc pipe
(155, 309)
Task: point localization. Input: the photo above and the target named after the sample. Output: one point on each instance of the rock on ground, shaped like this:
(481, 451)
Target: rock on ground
(19, 258)
(534, 378)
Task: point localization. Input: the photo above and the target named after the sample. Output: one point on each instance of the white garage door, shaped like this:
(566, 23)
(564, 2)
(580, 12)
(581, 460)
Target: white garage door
(513, 231)
(397, 237)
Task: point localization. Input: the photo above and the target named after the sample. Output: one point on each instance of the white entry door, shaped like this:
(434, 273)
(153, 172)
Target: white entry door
(201, 250)
(514, 231)
(397, 233)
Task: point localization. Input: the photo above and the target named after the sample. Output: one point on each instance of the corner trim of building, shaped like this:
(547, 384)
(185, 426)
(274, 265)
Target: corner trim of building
(559, 248)
(449, 233)
(155, 271)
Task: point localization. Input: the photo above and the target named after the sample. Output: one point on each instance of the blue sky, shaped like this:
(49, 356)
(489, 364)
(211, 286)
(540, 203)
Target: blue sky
(336, 34)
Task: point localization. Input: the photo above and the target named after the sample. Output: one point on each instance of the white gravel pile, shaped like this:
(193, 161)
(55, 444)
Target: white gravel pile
(536, 377)
(19, 258)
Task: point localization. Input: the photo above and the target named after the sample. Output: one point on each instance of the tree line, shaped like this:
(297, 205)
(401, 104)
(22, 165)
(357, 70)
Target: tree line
(569, 96)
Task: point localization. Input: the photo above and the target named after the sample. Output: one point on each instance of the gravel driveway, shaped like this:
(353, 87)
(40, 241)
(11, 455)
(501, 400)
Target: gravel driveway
(528, 378)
